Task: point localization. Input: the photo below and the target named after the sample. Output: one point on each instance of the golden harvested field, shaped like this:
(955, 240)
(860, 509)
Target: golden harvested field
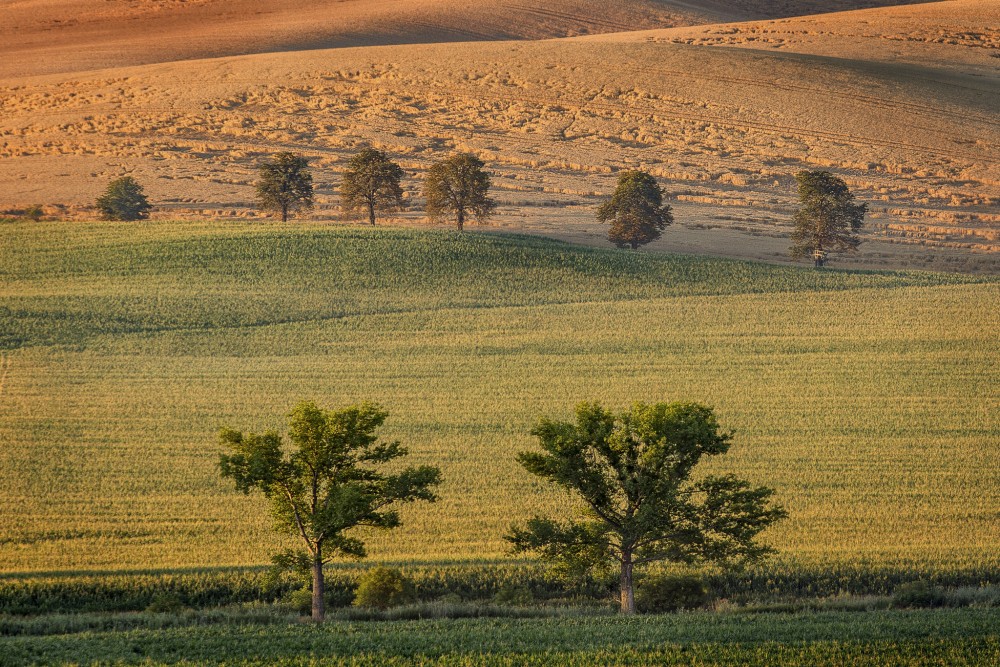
(868, 400)
(900, 101)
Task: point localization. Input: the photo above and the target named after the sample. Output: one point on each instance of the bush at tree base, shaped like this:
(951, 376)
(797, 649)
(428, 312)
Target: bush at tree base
(383, 588)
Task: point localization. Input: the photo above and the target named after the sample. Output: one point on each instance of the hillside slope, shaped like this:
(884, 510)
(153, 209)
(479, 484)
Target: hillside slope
(947, 35)
(864, 398)
(44, 36)
(724, 129)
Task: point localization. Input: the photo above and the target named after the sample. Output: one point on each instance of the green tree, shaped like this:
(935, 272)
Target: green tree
(635, 211)
(828, 220)
(326, 482)
(285, 185)
(458, 186)
(632, 473)
(124, 200)
(371, 183)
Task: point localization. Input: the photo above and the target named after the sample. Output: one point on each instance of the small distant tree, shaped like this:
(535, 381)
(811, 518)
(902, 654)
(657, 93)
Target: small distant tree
(124, 200)
(632, 472)
(635, 211)
(371, 183)
(459, 186)
(828, 220)
(285, 185)
(326, 482)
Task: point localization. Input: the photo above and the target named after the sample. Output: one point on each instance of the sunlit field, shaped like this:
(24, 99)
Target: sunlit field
(868, 400)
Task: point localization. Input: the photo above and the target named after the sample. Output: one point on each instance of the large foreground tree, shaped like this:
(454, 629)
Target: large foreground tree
(285, 185)
(632, 471)
(325, 481)
(827, 220)
(458, 186)
(371, 183)
(635, 211)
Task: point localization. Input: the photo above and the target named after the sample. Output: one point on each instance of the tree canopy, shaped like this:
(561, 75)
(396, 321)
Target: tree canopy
(372, 183)
(124, 199)
(458, 186)
(326, 482)
(635, 211)
(285, 185)
(632, 471)
(827, 220)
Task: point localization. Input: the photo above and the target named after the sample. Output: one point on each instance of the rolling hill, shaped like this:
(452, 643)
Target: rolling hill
(866, 399)
(46, 36)
(724, 128)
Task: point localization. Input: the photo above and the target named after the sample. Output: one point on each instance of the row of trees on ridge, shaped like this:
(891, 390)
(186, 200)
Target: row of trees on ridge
(631, 472)
(372, 183)
(828, 219)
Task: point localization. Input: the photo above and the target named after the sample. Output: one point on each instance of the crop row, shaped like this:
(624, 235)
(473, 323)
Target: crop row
(965, 637)
(118, 592)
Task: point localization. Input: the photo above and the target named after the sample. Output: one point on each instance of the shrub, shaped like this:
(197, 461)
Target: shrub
(670, 592)
(916, 594)
(382, 588)
(300, 600)
(166, 603)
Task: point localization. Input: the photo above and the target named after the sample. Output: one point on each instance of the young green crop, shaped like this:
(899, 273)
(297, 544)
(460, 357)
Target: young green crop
(962, 637)
(866, 399)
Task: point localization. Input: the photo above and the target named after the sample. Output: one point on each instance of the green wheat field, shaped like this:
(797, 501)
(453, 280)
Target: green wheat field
(870, 401)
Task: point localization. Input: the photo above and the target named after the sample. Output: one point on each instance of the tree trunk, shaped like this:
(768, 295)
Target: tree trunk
(461, 218)
(284, 212)
(318, 587)
(371, 214)
(627, 589)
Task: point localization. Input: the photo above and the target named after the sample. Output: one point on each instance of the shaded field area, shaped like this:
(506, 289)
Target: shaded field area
(41, 36)
(867, 399)
(879, 638)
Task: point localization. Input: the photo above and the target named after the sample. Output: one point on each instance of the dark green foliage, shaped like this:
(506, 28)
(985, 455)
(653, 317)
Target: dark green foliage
(123, 200)
(631, 471)
(917, 594)
(660, 593)
(300, 600)
(285, 185)
(828, 220)
(327, 483)
(928, 637)
(371, 183)
(636, 211)
(129, 592)
(384, 588)
(458, 186)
